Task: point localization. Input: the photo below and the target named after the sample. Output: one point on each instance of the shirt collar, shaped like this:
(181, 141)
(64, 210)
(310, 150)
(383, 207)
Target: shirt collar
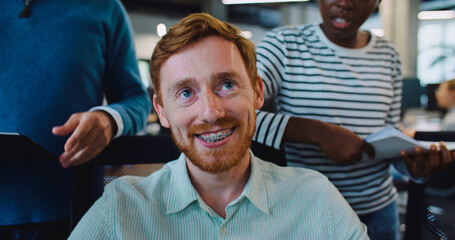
(255, 189)
(183, 193)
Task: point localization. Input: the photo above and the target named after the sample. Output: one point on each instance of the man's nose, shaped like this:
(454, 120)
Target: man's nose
(346, 4)
(212, 107)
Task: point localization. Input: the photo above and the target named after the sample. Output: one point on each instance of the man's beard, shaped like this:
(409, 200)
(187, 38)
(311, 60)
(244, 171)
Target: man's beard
(219, 159)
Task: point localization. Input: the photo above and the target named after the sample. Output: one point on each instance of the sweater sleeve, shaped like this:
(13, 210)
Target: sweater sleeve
(271, 61)
(393, 116)
(271, 54)
(270, 128)
(123, 87)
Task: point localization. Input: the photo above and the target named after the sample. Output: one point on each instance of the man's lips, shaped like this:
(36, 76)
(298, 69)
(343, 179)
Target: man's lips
(215, 136)
(340, 22)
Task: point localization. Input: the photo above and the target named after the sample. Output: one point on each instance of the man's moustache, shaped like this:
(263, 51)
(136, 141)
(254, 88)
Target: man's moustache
(227, 122)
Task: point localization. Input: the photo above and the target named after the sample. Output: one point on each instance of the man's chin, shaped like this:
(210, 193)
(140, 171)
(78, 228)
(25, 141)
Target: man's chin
(213, 162)
(216, 159)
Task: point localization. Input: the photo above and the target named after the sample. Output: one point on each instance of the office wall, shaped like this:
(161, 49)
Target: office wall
(144, 26)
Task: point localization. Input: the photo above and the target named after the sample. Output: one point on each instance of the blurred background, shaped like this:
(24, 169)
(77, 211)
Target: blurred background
(422, 31)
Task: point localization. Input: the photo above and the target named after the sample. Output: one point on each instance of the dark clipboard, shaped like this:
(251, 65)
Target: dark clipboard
(16, 147)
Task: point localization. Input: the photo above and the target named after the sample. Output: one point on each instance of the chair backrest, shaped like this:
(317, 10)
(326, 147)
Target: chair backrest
(448, 136)
(88, 179)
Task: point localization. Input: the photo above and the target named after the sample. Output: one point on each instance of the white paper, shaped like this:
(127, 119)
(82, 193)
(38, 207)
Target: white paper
(389, 142)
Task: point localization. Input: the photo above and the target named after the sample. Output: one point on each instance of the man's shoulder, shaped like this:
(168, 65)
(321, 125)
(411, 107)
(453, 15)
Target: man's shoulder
(133, 186)
(293, 175)
(301, 34)
(383, 44)
(289, 185)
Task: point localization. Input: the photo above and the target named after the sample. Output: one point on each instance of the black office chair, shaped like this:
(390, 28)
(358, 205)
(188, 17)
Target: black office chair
(88, 179)
(422, 222)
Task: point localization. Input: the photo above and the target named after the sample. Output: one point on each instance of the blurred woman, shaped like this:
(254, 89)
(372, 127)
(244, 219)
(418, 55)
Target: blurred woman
(445, 96)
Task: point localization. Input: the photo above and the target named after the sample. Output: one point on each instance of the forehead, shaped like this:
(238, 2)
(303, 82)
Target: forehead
(207, 57)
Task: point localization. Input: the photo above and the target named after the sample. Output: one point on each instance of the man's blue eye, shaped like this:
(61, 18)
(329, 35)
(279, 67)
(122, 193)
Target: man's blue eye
(228, 85)
(186, 93)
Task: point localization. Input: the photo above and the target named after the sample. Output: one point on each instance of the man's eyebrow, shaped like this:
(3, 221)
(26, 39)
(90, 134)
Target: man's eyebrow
(224, 75)
(179, 84)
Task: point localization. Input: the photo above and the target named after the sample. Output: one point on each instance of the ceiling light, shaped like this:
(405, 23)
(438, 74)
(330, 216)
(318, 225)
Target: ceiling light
(228, 2)
(430, 15)
(247, 34)
(161, 29)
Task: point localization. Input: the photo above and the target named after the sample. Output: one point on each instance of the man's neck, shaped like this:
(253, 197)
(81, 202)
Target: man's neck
(218, 190)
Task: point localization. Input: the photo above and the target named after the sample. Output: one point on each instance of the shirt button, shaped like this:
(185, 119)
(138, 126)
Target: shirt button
(223, 230)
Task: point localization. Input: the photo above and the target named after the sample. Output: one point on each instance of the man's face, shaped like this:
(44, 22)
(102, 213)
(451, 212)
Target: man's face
(444, 95)
(343, 18)
(209, 103)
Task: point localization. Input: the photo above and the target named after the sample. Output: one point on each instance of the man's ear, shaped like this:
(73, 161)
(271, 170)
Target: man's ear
(161, 114)
(258, 93)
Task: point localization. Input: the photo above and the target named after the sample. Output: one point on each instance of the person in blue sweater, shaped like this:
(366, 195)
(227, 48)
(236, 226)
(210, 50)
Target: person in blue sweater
(59, 60)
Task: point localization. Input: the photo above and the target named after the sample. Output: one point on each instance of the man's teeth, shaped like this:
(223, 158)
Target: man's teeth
(340, 20)
(215, 137)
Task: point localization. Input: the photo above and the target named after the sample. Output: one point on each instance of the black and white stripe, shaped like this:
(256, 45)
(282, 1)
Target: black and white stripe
(359, 89)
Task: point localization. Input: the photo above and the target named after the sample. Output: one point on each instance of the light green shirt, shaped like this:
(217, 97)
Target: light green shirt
(276, 203)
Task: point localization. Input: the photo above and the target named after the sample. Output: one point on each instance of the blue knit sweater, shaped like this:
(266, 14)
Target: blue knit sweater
(59, 61)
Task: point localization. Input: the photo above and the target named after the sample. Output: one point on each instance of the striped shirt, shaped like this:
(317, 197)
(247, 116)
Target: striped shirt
(276, 203)
(359, 89)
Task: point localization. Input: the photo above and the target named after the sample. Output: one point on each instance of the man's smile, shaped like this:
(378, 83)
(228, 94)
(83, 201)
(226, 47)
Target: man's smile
(216, 136)
(339, 22)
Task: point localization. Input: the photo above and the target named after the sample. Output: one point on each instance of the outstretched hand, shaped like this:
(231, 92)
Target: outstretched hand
(90, 133)
(338, 143)
(343, 146)
(424, 163)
